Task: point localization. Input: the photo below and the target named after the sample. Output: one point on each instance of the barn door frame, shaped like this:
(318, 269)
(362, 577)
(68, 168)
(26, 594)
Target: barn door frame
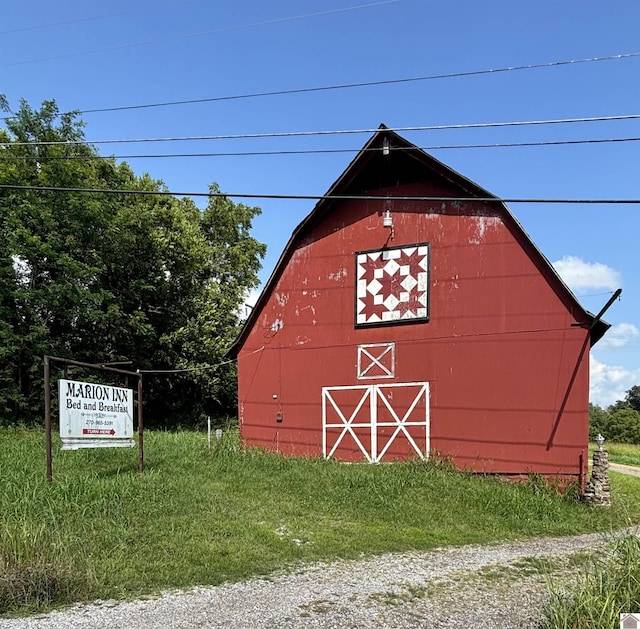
(372, 394)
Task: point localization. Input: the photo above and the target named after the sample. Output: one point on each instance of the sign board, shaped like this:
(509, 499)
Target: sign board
(95, 415)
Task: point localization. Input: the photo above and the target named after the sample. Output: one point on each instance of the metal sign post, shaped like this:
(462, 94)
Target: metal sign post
(47, 416)
(140, 426)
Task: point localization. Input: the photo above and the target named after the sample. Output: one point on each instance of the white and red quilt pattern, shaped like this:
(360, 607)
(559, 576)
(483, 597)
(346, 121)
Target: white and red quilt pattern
(392, 285)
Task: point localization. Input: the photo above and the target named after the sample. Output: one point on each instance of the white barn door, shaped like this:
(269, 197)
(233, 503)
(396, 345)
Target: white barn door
(377, 419)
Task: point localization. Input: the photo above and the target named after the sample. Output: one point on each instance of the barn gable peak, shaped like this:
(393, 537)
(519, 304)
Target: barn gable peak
(388, 160)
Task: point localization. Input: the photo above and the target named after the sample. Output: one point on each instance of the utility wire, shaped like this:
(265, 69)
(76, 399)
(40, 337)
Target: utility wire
(344, 86)
(431, 339)
(81, 20)
(315, 151)
(361, 84)
(170, 372)
(293, 134)
(336, 345)
(66, 23)
(318, 197)
(199, 34)
(199, 368)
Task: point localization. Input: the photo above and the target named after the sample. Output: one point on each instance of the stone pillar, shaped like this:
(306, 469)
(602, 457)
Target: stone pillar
(598, 491)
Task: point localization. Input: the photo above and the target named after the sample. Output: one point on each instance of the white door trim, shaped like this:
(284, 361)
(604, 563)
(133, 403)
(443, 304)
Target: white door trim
(374, 393)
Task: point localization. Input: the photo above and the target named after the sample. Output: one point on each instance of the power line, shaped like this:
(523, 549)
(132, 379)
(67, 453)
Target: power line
(316, 151)
(430, 339)
(609, 292)
(66, 23)
(343, 86)
(81, 20)
(293, 134)
(199, 34)
(199, 368)
(354, 85)
(335, 345)
(319, 197)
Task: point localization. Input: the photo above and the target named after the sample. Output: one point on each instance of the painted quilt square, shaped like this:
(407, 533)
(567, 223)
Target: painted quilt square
(392, 285)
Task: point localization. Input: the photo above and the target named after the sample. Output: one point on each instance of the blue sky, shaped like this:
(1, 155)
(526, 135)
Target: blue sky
(93, 56)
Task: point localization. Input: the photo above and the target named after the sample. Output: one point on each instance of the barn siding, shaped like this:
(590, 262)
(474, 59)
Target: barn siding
(499, 351)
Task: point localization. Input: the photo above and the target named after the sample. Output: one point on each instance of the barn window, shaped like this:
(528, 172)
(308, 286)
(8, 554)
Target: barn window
(376, 361)
(392, 285)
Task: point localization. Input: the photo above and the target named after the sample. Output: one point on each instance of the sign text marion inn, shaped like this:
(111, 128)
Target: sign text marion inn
(95, 415)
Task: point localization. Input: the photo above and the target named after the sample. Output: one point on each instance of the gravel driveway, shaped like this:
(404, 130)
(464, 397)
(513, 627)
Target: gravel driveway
(479, 586)
(631, 470)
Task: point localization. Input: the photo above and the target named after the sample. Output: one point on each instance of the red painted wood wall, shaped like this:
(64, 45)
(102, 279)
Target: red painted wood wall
(506, 369)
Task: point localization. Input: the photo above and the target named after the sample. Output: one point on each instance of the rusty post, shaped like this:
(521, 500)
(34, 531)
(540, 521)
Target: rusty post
(100, 367)
(47, 417)
(140, 426)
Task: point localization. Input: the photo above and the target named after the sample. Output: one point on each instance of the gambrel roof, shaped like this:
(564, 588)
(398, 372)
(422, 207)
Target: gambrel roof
(396, 162)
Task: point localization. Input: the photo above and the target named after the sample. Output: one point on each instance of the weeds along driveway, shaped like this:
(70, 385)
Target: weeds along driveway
(495, 585)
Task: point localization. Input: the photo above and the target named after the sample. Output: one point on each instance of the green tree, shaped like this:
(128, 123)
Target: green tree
(598, 418)
(233, 262)
(50, 243)
(9, 341)
(633, 398)
(106, 277)
(623, 426)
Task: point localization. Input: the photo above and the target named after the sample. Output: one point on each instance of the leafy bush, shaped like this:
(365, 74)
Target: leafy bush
(623, 426)
(619, 423)
(598, 418)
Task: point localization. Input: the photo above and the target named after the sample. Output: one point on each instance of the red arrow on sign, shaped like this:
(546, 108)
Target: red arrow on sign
(98, 431)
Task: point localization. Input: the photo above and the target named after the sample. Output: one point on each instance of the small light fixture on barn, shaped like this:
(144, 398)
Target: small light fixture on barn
(387, 220)
(385, 146)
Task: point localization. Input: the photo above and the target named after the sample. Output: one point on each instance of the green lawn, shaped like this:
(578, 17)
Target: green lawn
(624, 453)
(102, 530)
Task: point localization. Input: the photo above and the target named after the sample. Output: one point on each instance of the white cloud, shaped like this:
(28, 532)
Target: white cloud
(619, 336)
(251, 297)
(580, 275)
(609, 383)
(249, 301)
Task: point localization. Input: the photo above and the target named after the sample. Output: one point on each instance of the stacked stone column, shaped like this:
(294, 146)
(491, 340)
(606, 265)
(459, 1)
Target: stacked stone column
(598, 491)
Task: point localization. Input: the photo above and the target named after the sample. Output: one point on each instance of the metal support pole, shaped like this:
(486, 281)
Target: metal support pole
(140, 426)
(47, 417)
(605, 308)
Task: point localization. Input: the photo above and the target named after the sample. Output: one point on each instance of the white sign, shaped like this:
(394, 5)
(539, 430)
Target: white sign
(95, 415)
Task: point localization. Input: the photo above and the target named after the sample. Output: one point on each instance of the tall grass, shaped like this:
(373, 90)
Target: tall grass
(609, 588)
(102, 530)
(34, 571)
(624, 453)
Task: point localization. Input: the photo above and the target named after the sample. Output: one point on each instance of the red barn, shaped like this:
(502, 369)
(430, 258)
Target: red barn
(423, 321)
